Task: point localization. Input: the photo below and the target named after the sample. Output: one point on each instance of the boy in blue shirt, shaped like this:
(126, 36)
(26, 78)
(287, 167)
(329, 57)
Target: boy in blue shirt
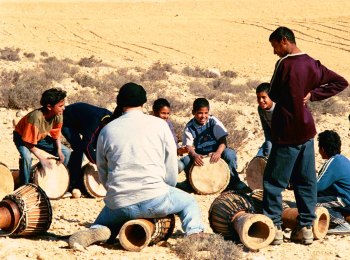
(333, 181)
(265, 110)
(206, 135)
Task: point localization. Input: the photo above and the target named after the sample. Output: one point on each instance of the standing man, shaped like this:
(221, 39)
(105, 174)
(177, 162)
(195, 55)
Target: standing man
(296, 79)
(137, 164)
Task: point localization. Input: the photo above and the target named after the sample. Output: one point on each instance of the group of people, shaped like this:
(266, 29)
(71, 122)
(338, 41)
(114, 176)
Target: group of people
(137, 154)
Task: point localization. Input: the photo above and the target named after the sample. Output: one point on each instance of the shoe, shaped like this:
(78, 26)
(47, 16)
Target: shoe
(84, 238)
(343, 228)
(278, 237)
(303, 235)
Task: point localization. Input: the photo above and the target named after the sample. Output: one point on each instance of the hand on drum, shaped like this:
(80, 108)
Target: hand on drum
(61, 156)
(182, 150)
(214, 157)
(198, 160)
(46, 163)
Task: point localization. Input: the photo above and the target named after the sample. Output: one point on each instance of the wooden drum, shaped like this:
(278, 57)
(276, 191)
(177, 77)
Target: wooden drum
(7, 183)
(92, 182)
(54, 181)
(210, 178)
(25, 212)
(255, 172)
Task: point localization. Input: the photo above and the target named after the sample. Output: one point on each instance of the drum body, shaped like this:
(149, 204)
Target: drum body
(7, 182)
(210, 178)
(255, 172)
(34, 209)
(163, 228)
(54, 181)
(222, 211)
(92, 182)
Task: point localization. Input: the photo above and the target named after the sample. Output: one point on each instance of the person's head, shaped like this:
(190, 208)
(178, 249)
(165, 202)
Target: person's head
(283, 41)
(53, 101)
(329, 144)
(262, 96)
(130, 95)
(161, 108)
(200, 110)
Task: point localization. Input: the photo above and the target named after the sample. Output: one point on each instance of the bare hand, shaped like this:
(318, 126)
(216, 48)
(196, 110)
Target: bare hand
(182, 150)
(61, 156)
(307, 98)
(198, 160)
(46, 163)
(214, 157)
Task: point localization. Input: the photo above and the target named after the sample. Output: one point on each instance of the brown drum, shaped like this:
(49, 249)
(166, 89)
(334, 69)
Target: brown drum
(6, 183)
(16, 179)
(92, 182)
(210, 178)
(55, 181)
(255, 172)
(25, 212)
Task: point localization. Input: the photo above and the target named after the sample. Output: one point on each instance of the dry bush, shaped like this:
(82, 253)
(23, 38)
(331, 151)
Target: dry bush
(89, 62)
(199, 73)
(85, 80)
(229, 74)
(222, 84)
(57, 70)
(10, 54)
(252, 83)
(197, 88)
(152, 87)
(156, 72)
(213, 247)
(8, 78)
(29, 55)
(329, 106)
(44, 54)
(89, 96)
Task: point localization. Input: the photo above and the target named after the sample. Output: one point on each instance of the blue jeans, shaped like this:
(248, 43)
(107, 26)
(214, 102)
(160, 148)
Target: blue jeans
(295, 163)
(174, 202)
(228, 155)
(48, 144)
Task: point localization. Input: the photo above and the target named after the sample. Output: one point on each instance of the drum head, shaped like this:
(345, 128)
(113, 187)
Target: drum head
(92, 182)
(255, 172)
(7, 184)
(210, 178)
(54, 181)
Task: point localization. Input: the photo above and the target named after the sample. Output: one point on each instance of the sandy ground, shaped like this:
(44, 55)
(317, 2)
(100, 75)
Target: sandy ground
(228, 35)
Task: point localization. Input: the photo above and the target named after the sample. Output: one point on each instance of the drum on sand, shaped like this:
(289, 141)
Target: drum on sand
(255, 172)
(54, 181)
(210, 178)
(92, 182)
(7, 182)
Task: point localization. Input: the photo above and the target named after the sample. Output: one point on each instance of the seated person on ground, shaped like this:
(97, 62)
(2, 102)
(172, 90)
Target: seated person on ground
(333, 181)
(206, 135)
(265, 110)
(161, 109)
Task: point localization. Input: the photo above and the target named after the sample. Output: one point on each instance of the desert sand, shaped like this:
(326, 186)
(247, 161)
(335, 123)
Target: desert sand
(224, 35)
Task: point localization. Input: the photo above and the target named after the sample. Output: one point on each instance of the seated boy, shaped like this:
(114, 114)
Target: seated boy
(333, 181)
(206, 135)
(161, 109)
(31, 134)
(265, 110)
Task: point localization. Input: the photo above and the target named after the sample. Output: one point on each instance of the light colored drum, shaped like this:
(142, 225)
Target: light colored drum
(255, 172)
(92, 182)
(210, 178)
(54, 181)
(7, 183)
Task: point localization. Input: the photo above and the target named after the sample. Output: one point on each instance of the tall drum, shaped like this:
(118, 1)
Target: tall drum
(210, 178)
(54, 181)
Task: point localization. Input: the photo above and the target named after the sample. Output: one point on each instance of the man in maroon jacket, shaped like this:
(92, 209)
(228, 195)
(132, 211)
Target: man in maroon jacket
(297, 78)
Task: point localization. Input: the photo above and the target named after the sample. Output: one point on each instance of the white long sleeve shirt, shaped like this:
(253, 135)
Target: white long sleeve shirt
(136, 159)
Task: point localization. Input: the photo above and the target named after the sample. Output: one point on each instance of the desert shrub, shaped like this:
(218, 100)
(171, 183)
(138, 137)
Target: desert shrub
(156, 72)
(213, 247)
(178, 106)
(222, 84)
(197, 72)
(329, 106)
(229, 74)
(252, 83)
(55, 69)
(44, 54)
(89, 62)
(29, 55)
(10, 54)
(197, 88)
(86, 96)
(8, 78)
(153, 87)
(85, 80)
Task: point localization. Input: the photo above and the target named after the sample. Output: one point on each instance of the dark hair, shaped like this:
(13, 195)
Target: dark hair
(159, 104)
(263, 87)
(199, 103)
(52, 96)
(330, 142)
(281, 32)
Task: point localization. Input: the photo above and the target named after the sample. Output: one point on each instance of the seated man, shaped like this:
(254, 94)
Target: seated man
(137, 164)
(333, 182)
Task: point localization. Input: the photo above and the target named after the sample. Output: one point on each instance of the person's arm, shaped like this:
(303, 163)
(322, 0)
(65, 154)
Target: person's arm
(170, 160)
(59, 150)
(101, 160)
(330, 84)
(187, 140)
(266, 146)
(215, 156)
(327, 176)
(40, 154)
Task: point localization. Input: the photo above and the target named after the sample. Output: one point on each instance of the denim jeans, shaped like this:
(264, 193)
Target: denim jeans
(48, 144)
(295, 163)
(174, 202)
(228, 155)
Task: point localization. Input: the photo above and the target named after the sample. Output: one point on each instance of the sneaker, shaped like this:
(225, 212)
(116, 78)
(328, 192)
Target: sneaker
(84, 238)
(343, 228)
(303, 235)
(278, 237)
